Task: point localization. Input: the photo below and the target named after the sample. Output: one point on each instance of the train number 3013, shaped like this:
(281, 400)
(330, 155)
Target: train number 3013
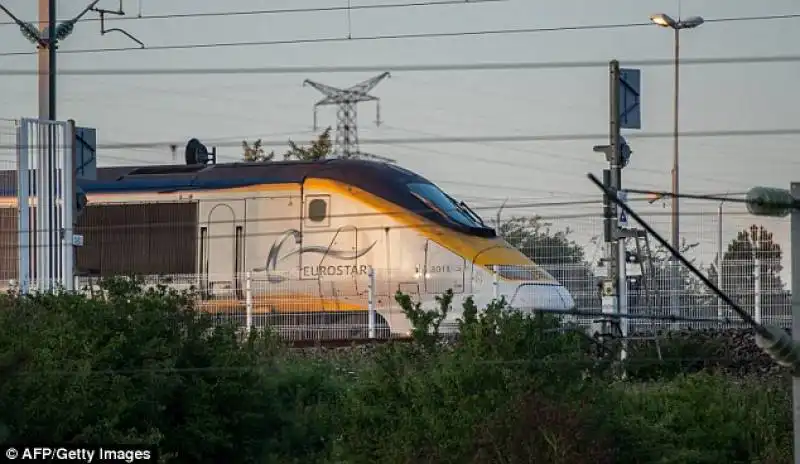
(439, 269)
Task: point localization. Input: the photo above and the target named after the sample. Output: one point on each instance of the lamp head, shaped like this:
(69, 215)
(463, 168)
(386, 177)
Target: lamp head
(691, 22)
(663, 20)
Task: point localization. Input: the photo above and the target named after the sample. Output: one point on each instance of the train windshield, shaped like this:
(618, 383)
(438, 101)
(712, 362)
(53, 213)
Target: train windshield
(445, 205)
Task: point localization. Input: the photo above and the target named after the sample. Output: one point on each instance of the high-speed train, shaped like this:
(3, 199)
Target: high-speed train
(307, 233)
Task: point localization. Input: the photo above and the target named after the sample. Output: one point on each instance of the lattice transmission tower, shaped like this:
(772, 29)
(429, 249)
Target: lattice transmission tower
(346, 142)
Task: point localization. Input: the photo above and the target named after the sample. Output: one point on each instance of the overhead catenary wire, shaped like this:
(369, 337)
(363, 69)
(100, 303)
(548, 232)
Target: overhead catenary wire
(379, 6)
(422, 35)
(418, 225)
(397, 68)
(511, 138)
(280, 11)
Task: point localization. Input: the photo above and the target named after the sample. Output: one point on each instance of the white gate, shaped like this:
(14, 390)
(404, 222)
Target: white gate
(46, 202)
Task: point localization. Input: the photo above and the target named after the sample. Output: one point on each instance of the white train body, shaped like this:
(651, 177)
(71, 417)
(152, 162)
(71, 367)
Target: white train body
(309, 239)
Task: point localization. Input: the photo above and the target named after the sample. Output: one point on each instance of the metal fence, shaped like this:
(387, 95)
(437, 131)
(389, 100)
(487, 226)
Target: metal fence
(565, 239)
(303, 308)
(569, 245)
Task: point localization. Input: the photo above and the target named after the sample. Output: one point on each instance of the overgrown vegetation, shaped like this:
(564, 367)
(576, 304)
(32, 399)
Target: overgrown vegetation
(142, 366)
(319, 149)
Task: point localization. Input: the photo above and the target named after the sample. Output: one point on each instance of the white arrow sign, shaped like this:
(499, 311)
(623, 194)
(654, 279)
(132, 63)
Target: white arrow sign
(622, 218)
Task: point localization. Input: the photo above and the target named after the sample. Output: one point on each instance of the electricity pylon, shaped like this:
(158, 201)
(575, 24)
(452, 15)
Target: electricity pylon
(346, 142)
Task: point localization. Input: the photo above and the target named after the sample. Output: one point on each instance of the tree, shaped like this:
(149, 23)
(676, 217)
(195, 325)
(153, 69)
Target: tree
(754, 248)
(319, 149)
(561, 256)
(537, 240)
(146, 366)
(255, 152)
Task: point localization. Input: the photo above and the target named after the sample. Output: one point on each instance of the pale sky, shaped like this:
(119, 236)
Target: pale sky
(228, 108)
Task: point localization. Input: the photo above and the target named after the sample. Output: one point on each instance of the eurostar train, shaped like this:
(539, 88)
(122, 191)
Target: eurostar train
(308, 234)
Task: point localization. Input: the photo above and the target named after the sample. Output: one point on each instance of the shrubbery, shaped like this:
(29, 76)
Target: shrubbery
(142, 366)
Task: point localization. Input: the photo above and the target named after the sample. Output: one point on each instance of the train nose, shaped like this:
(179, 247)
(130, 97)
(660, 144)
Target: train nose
(550, 297)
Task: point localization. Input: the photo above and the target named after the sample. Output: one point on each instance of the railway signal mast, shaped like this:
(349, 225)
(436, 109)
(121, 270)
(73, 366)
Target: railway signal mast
(346, 142)
(625, 112)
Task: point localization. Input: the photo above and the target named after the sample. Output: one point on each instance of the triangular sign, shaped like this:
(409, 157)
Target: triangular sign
(623, 218)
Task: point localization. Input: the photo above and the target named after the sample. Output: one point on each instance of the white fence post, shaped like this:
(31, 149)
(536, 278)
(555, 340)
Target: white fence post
(496, 282)
(248, 292)
(371, 302)
(46, 178)
(24, 231)
(757, 291)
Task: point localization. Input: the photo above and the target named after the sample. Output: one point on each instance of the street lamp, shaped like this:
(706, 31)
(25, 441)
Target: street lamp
(692, 22)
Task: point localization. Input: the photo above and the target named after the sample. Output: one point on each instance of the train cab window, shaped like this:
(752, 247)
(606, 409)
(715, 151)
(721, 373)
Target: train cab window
(317, 210)
(445, 205)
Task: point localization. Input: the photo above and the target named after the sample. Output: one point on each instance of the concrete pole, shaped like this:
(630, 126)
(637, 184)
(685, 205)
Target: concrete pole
(795, 237)
(720, 303)
(676, 240)
(47, 61)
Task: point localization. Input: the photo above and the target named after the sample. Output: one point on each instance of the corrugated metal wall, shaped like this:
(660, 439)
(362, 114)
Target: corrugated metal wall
(147, 238)
(9, 255)
(154, 238)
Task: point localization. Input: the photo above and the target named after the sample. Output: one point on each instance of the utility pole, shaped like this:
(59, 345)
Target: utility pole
(346, 145)
(47, 60)
(45, 173)
(795, 241)
(46, 38)
(720, 303)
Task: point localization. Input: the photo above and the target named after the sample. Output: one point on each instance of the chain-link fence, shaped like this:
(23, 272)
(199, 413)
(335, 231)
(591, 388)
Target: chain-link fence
(570, 246)
(565, 240)
(300, 307)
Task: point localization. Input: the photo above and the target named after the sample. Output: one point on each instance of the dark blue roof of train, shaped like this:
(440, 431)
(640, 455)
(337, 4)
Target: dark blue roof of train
(367, 175)
(384, 180)
(373, 176)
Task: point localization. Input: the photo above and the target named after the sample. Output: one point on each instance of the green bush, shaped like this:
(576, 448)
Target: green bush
(701, 418)
(427, 403)
(681, 353)
(143, 366)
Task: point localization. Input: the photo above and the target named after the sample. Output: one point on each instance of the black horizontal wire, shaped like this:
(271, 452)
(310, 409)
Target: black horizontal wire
(405, 212)
(395, 68)
(423, 35)
(463, 139)
(279, 11)
(308, 231)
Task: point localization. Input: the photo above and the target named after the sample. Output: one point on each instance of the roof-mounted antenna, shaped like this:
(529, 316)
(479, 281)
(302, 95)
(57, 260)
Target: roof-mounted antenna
(118, 12)
(197, 153)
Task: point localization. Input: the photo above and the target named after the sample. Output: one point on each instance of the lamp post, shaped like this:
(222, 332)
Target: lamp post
(692, 22)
